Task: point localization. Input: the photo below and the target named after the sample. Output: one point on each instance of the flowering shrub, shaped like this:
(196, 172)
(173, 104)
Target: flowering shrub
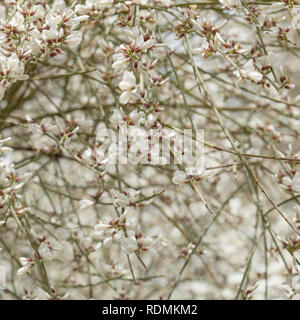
(97, 196)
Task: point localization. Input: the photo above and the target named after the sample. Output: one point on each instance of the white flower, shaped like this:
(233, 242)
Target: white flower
(17, 21)
(129, 88)
(119, 60)
(230, 3)
(23, 270)
(91, 5)
(293, 281)
(47, 250)
(125, 200)
(136, 116)
(102, 226)
(220, 39)
(128, 82)
(82, 9)
(145, 45)
(27, 265)
(179, 177)
(110, 230)
(39, 11)
(142, 2)
(50, 34)
(107, 242)
(248, 71)
(129, 244)
(122, 200)
(86, 203)
(296, 22)
(75, 21)
(74, 38)
(125, 97)
(255, 76)
(296, 182)
(12, 68)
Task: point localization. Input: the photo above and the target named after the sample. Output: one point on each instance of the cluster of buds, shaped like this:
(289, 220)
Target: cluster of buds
(290, 3)
(181, 177)
(291, 244)
(253, 14)
(286, 82)
(183, 28)
(140, 42)
(207, 29)
(282, 34)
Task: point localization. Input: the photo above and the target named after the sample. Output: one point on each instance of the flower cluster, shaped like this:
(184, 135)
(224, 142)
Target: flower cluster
(31, 34)
(150, 149)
